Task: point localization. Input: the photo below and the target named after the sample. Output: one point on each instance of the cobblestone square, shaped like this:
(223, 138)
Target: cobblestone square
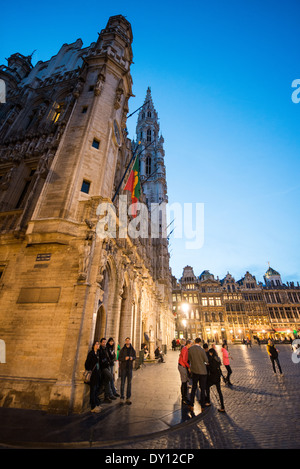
(262, 409)
(262, 412)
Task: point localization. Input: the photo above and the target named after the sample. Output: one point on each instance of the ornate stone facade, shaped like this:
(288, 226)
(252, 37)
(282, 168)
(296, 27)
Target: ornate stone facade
(231, 310)
(63, 152)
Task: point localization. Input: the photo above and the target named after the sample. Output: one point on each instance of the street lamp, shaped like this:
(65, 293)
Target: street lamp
(185, 309)
(184, 323)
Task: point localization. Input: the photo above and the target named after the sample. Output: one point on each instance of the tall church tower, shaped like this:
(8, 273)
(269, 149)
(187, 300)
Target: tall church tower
(154, 189)
(152, 166)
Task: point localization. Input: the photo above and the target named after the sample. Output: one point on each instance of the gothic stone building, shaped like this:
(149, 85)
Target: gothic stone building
(63, 153)
(217, 310)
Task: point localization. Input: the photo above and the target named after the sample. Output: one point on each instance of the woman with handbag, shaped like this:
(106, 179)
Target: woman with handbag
(92, 365)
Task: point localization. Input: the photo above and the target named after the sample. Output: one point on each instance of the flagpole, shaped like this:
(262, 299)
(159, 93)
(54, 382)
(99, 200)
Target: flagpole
(145, 180)
(119, 186)
(138, 109)
(121, 182)
(132, 159)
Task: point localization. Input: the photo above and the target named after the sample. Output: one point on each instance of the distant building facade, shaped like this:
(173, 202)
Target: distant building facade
(218, 310)
(63, 154)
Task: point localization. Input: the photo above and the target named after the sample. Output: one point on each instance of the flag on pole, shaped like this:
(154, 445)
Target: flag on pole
(134, 185)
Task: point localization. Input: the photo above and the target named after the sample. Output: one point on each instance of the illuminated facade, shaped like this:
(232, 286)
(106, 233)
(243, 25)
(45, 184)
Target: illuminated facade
(63, 153)
(218, 310)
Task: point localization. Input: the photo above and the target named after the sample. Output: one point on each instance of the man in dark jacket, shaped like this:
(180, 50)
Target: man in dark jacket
(198, 360)
(126, 357)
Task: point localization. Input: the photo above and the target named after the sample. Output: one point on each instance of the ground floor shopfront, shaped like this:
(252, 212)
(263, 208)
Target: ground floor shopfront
(217, 333)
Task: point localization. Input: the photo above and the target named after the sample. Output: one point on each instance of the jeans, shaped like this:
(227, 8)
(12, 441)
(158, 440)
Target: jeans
(106, 378)
(94, 391)
(127, 373)
(229, 372)
(201, 379)
(113, 390)
(273, 360)
(218, 386)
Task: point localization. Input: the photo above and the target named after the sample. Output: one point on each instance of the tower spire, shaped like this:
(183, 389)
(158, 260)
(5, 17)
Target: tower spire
(152, 167)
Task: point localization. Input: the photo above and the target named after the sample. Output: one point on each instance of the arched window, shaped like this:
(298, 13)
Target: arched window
(149, 114)
(148, 165)
(148, 135)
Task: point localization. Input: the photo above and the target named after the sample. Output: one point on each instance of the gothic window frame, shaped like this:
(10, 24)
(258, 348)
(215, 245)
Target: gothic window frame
(24, 188)
(148, 165)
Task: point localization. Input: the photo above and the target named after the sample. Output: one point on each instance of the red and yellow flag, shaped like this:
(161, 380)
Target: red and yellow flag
(134, 186)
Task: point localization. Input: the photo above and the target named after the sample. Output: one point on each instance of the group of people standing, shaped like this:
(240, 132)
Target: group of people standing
(101, 360)
(202, 366)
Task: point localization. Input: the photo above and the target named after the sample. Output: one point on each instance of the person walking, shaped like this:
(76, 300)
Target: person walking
(92, 364)
(226, 363)
(110, 346)
(106, 376)
(273, 354)
(198, 360)
(127, 356)
(214, 377)
(184, 370)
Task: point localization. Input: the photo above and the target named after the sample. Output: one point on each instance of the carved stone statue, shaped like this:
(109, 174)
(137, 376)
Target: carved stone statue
(78, 88)
(119, 93)
(7, 178)
(100, 82)
(84, 259)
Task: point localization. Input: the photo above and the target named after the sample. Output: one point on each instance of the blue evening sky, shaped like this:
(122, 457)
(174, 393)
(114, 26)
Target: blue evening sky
(220, 75)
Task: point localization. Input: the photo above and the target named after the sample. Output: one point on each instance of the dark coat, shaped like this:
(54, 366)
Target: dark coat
(124, 352)
(214, 370)
(92, 363)
(111, 354)
(103, 358)
(272, 350)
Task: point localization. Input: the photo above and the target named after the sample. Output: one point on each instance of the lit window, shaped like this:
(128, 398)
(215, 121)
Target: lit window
(57, 112)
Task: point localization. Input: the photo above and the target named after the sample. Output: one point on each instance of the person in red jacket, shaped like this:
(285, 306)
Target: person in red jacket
(184, 369)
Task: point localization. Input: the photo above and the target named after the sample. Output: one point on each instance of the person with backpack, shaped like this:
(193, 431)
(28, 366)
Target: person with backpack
(273, 354)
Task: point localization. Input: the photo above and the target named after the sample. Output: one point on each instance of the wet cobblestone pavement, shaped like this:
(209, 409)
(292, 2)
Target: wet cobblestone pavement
(262, 409)
(262, 412)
